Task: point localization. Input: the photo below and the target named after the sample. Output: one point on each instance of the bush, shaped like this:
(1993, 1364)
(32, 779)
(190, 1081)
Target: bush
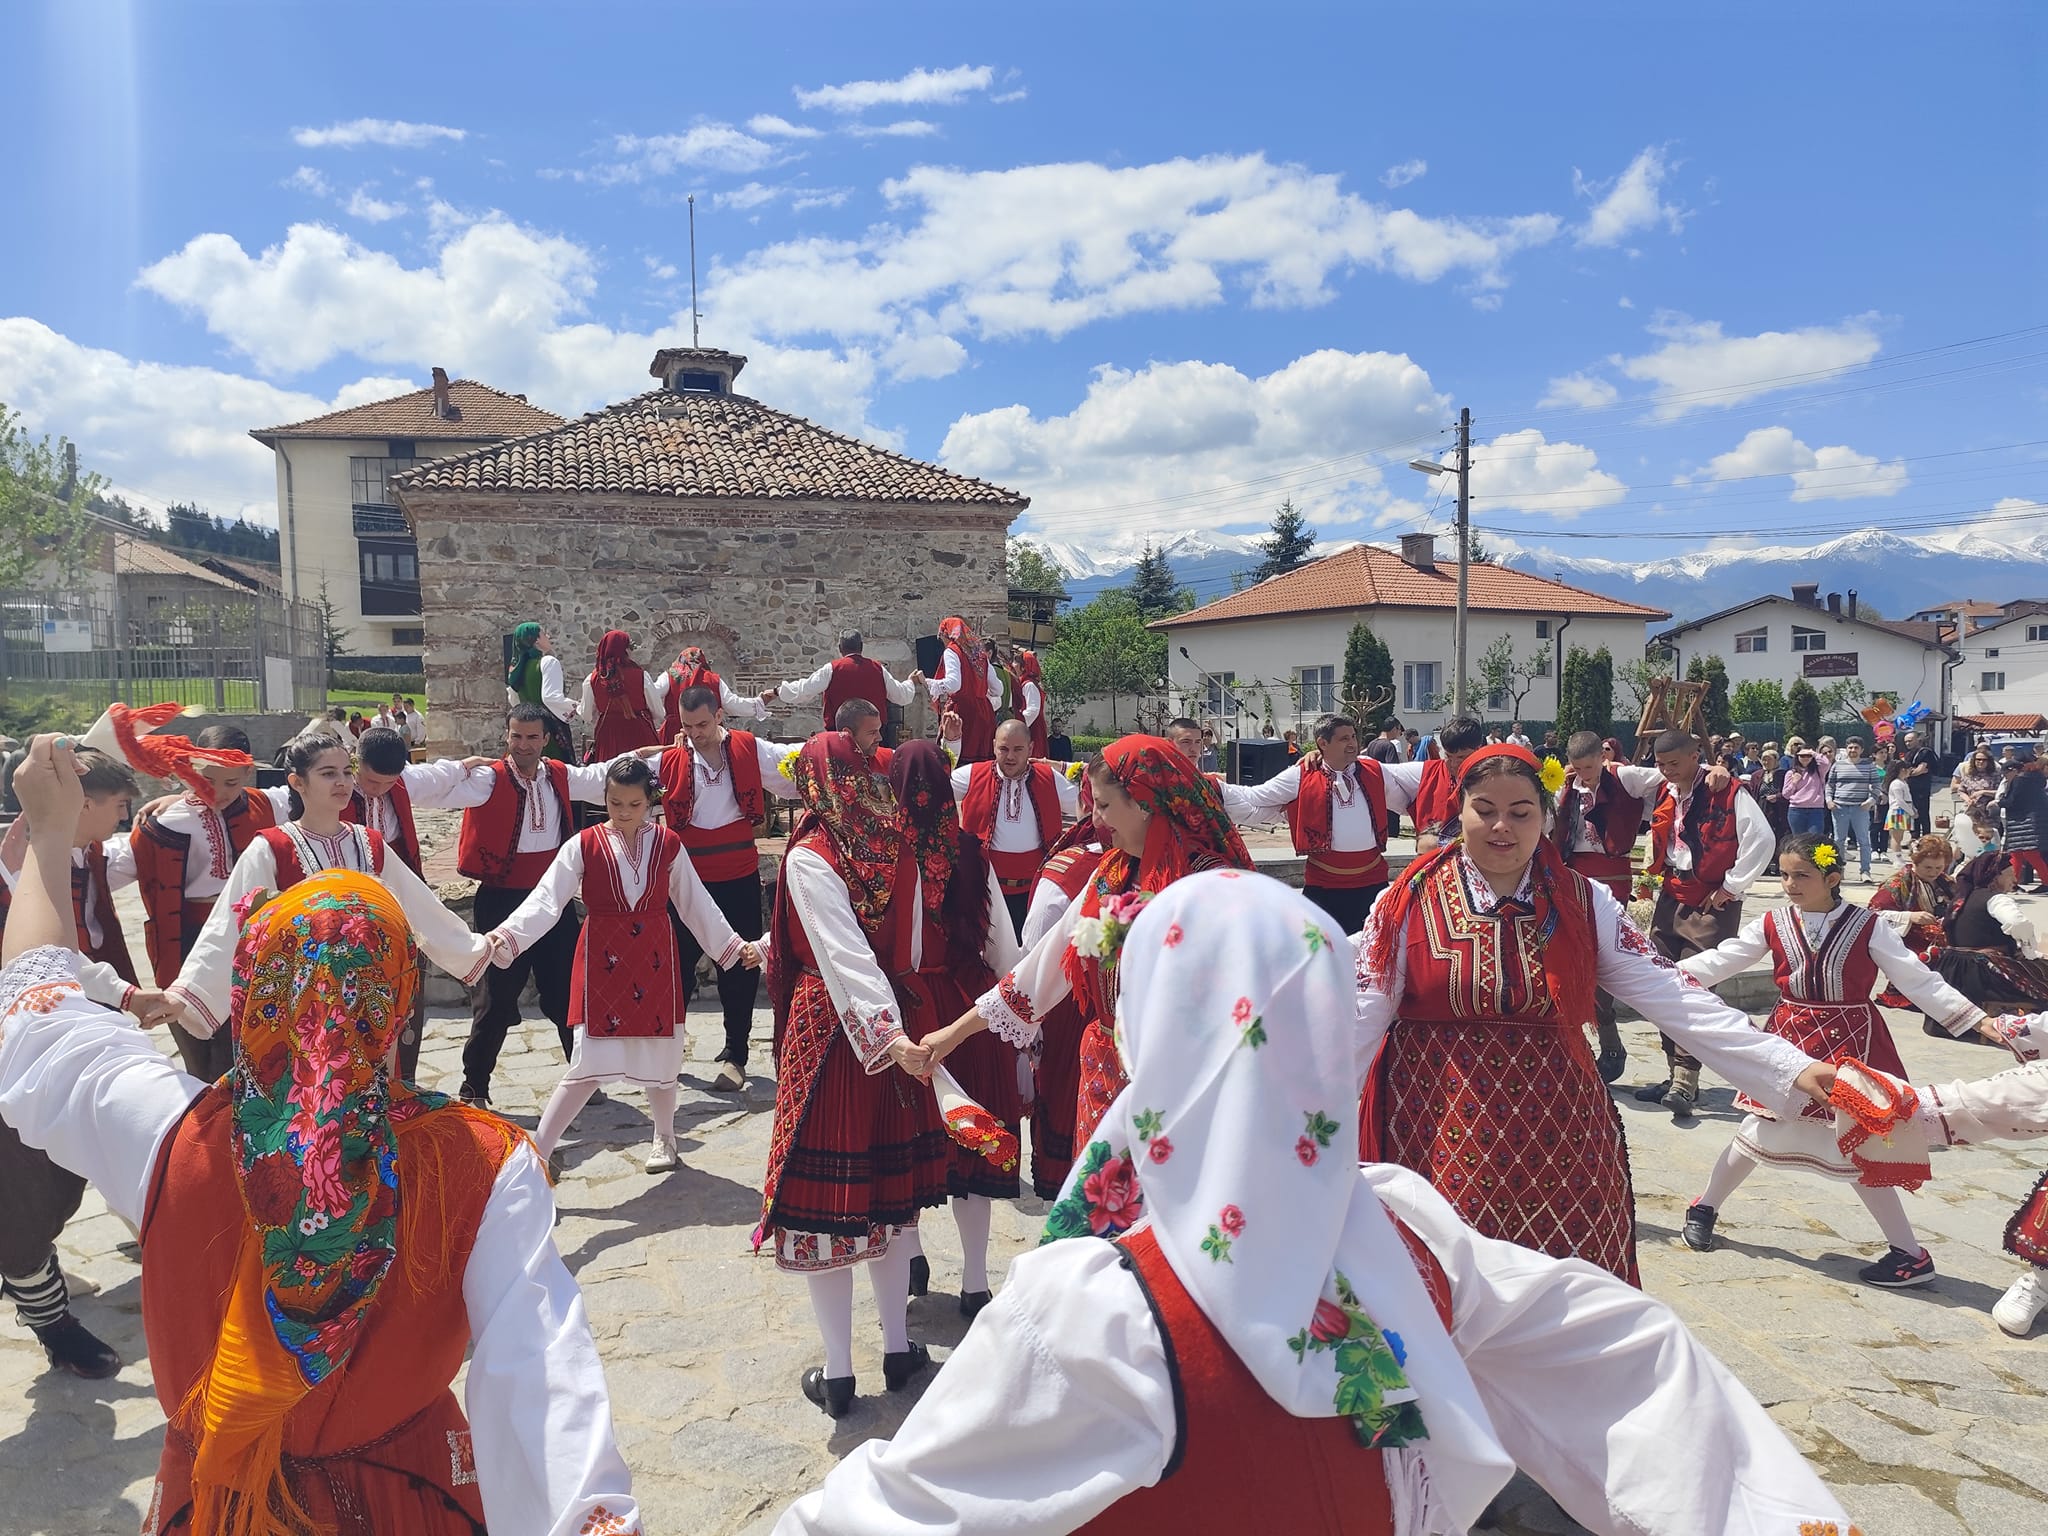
(412, 684)
(1084, 745)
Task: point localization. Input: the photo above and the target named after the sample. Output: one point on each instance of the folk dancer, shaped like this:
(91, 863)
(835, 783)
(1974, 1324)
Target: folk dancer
(1488, 950)
(968, 684)
(1056, 1068)
(1016, 806)
(1993, 955)
(715, 785)
(621, 702)
(692, 669)
(850, 676)
(1274, 1338)
(535, 677)
(1432, 783)
(626, 996)
(1031, 686)
(305, 1317)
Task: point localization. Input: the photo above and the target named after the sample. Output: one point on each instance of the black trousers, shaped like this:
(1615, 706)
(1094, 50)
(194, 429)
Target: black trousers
(1923, 822)
(740, 901)
(494, 999)
(1346, 907)
(1020, 908)
(36, 1198)
(1679, 932)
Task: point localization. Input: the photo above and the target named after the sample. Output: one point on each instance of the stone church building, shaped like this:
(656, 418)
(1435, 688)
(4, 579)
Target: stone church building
(691, 515)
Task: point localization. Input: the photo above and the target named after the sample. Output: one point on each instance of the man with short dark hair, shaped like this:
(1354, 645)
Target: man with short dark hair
(1016, 806)
(1921, 763)
(1431, 785)
(862, 722)
(851, 676)
(1186, 734)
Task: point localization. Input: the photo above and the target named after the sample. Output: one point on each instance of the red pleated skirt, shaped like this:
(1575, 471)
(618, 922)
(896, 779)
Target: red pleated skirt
(985, 1067)
(1055, 1105)
(1102, 1079)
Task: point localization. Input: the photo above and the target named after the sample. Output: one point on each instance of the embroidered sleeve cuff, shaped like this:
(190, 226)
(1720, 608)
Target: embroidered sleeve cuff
(199, 1012)
(1009, 1013)
(729, 956)
(478, 966)
(1964, 1021)
(871, 1034)
(47, 966)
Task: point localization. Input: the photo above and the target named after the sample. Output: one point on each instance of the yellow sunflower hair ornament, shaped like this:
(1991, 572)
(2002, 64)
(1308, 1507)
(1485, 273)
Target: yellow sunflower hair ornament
(1074, 772)
(1824, 856)
(1552, 774)
(788, 763)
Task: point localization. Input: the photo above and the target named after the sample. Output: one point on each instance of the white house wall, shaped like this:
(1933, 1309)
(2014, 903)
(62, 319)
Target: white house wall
(1265, 653)
(2005, 649)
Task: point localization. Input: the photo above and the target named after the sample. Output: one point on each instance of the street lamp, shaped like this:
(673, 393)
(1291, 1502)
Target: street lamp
(1463, 470)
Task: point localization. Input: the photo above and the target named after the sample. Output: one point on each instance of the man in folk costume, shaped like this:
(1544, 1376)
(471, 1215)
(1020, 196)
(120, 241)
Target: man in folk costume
(851, 676)
(516, 815)
(715, 785)
(1432, 784)
(535, 677)
(185, 849)
(1016, 806)
(968, 684)
(1337, 803)
(1233, 1327)
(620, 701)
(692, 669)
(1710, 843)
(320, 1241)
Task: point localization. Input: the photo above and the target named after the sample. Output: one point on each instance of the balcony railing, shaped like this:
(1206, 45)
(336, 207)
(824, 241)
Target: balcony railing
(379, 522)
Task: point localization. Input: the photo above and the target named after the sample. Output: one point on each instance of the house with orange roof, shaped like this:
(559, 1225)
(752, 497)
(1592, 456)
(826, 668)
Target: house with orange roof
(1271, 658)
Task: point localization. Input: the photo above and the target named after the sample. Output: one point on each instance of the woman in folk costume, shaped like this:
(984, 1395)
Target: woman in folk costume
(1992, 955)
(857, 1148)
(316, 839)
(937, 963)
(1487, 951)
(1924, 895)
(535, 677)
(1165, 821)
(1031, 686)
(621, 702)
(692, 669)
(320, 1241)
(1056, 1073)
(626, 991)
(968, 681)
(1828, 957)
(1273, 1338)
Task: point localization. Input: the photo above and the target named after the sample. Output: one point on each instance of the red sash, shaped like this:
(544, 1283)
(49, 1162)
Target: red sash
(1015, 872)
(1308, 818)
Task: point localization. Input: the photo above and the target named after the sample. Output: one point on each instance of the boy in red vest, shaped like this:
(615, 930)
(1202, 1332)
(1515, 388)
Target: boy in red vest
(516, 815)
(1016, 806)
(714, 793)
(852, 676)
(1710, 841)
(184, 850)
(1432, 783)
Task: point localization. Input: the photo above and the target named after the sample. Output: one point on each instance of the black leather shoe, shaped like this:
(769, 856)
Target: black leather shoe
(1612, 1062)
(898, 1366)
(1699, 1227)
(1654, 1094)
(834, 1394)
(920, 1275)
(971, 1302)
(73, 1347)
(480, 1097)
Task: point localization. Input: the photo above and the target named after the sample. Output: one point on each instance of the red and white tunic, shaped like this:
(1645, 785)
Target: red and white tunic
(626, 994)
(1346, 852)
(280, 858)
(1827, 965)
(1017, 819)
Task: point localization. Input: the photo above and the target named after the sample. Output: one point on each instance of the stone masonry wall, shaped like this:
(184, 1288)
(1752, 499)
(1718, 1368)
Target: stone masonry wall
(765, 589)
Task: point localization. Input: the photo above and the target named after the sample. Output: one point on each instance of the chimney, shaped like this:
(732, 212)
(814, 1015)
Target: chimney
(1835, 603)
(1419, 550)
(1852, 602)
(443, 406)
(696, 370)
(1806, 593)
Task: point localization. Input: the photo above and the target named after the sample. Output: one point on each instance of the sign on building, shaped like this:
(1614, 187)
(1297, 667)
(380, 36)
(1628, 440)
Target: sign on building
(1831, 664)
(67, 634)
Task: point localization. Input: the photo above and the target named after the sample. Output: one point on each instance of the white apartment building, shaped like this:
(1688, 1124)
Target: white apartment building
(1272, 656)
(338, 520)
(2004, 668)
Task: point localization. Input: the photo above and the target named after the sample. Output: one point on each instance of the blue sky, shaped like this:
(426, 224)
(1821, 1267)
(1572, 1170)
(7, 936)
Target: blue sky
(1155, 265)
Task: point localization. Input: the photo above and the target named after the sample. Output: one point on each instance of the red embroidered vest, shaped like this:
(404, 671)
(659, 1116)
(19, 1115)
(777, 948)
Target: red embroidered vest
(719, 853)
(383, 1440)
(855, 677)
(171, 921)
(1436, 799)
(407, 843)
(1842, 970)
(291, 869)
(628, 979)
(1718, 842)
(1070, 869)
(1015, 872)
(1464, 964)
(1309, 815)
(486, 849)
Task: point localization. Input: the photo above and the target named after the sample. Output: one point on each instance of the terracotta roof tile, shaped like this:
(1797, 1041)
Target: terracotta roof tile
(1368, 577)
(701, 445)
(482, 414)
(2007, 722)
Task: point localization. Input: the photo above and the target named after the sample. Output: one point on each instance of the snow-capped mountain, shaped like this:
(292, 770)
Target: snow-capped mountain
(1117, 553)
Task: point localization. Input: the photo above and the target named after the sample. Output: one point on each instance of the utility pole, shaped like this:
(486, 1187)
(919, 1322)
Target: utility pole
(1464, 557)
(693, 268)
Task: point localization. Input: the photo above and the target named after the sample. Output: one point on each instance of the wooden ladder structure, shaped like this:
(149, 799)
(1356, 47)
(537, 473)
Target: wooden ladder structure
(1672, 706)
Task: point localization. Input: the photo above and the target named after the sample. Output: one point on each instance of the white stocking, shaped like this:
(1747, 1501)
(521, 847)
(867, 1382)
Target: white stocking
(972, 1215)
(889, 1274)
(662, 1101)
(832, 1303)
(564, 1105)
(1890, 1212)
(1735, 1166)
(912, 1244)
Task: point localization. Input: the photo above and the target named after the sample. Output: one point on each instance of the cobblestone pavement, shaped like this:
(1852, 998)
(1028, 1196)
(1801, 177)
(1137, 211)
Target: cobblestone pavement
(1927, 1419)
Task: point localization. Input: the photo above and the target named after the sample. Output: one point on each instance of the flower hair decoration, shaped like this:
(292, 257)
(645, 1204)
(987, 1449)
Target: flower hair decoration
(1825, 856)
(1552, 775)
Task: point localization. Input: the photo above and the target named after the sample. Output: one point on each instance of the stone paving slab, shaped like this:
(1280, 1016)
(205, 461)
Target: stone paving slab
(1914, 1406)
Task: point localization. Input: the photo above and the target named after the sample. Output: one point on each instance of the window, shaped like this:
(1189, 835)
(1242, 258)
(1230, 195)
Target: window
(1543, 629)
(2037, 631)
(408, 637)
(1990, 682)
(1804, 639)
(1991, 653)
(1223, 695)
(1497, 699)
(1318, 689)
(369, 480)
(1419, 685)
(390, 572)
(1754, 642)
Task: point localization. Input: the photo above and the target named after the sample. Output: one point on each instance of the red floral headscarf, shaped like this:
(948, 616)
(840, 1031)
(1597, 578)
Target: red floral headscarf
(612, 654)
(691, 664)
(1189, 825)
(956, 631)
(1027, 666)
(953, 863)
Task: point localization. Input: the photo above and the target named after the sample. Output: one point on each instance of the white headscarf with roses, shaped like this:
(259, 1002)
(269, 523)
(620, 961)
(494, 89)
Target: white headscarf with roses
(1236, 1021)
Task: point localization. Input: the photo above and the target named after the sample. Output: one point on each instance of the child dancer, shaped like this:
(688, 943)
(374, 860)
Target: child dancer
(1828, 958)
(626, 992)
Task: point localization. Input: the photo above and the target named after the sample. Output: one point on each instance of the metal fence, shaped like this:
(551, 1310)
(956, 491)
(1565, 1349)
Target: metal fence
(204, 646)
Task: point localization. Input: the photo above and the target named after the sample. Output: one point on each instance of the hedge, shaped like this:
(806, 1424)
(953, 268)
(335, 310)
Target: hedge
(412, 685)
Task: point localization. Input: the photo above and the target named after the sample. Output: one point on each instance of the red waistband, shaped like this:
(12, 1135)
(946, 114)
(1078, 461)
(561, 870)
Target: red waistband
(1016, 873)
(1335, 871)
(722, 853)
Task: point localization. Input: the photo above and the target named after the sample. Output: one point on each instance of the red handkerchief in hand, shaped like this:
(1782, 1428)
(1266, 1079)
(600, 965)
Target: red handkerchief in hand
(1877, 1126)
(972, 1126)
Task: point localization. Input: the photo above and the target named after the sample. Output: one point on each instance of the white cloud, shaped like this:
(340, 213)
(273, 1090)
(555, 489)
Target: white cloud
(1047, 249)
(386, 132)
(769, 126)
(1160, 441)
(1009, 96)
(830, 197)
(752, 195)
(661, 271)
(756, 194)
(708, 146)
(306, 179)
(1578, 389)
(1400, 175)
(1699, 368)
(911, 128)
(1626, 302)
(1520, 472)
(920, 88)
(1818, 474)
(362, 205)
(1630, 203)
